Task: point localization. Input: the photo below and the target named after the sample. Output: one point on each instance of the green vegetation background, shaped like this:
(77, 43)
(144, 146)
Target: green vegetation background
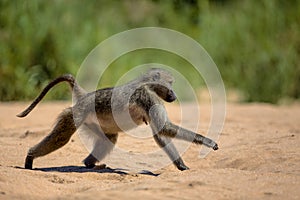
(255, 43)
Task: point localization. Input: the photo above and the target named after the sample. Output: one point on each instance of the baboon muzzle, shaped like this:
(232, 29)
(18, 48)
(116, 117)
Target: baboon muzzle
(171, 96)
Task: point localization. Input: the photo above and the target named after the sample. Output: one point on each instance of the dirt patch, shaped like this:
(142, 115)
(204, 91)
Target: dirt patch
(259, 158)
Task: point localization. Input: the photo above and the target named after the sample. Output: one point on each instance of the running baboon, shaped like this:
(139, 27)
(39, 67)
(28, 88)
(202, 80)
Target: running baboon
(104, 113)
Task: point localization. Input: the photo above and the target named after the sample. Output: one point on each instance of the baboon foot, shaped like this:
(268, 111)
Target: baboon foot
(90, 161)
(28, 162)
(90, 165)
(180, 165)
(215, 147)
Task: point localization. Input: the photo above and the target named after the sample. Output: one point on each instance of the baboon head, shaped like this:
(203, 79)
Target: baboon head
(160, 81)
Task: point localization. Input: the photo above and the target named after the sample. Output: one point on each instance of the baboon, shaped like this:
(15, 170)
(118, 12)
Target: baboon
(142, 98)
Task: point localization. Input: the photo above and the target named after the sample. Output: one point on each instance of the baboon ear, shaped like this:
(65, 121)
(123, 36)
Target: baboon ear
(156, 76)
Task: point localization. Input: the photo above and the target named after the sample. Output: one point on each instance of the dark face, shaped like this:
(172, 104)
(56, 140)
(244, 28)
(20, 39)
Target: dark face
(160, 81)
(165, 93)
(171, 96)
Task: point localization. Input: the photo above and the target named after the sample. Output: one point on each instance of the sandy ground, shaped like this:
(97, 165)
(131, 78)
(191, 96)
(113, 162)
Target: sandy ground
(259, 158)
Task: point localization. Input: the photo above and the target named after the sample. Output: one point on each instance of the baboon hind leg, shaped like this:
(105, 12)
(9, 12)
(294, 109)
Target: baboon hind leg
(58, 137)
(103, 143)
(100, 150)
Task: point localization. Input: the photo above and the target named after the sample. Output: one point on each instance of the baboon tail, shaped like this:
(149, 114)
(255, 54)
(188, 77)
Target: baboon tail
(77, 90)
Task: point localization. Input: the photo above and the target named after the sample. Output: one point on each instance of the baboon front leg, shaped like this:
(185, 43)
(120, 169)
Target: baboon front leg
(58, 137)
(167, 145)
(172, 130)
(161, 125)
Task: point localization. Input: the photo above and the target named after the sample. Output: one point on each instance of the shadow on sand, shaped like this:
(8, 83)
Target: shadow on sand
(82, 169)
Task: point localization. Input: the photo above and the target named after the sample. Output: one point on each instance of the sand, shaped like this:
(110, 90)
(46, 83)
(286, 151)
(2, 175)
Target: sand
(259, 158)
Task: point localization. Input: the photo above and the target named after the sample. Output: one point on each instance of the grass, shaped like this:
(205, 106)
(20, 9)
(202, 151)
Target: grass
(255, 44)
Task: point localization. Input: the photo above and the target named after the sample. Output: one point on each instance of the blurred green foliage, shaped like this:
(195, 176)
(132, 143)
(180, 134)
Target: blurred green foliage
(255, 44)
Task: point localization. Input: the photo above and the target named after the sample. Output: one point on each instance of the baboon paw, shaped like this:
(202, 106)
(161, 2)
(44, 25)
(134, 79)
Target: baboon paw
(28, 162)
(90, 166)
(182, 167)
(28, 166)
(215, 147)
